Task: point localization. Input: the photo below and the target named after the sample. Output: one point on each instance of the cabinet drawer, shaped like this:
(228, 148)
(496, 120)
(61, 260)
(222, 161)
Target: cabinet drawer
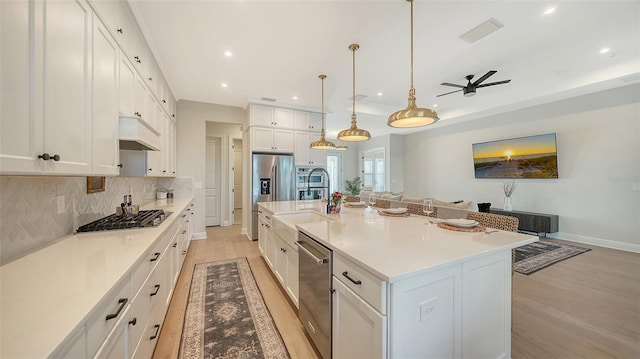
(151, 259)
(369, 287)
(113, 307)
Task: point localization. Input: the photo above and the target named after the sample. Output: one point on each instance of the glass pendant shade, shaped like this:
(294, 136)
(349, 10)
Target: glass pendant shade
(354, 133)
(322, 143)
(412, 116)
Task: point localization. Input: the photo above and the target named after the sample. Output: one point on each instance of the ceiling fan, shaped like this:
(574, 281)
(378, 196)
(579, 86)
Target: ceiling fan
(470, 89)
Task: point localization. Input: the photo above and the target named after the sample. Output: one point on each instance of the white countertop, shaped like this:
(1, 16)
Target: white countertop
(46, 294)
(394, 248)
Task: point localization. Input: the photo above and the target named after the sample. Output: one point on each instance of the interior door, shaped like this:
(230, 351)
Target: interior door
(237, 180)
(212, 188)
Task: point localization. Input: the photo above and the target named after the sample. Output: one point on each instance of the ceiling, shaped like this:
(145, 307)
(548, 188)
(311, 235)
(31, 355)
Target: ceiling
(280, 47)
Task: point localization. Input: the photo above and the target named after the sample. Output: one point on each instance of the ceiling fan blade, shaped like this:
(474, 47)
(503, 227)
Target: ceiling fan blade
(450, 84)
(448, 93)
(494, 83)
(484, 77)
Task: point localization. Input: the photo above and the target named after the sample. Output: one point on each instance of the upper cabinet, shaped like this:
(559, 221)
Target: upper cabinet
(67, 75)
(53, 132)
(307, 121)
(105, 117)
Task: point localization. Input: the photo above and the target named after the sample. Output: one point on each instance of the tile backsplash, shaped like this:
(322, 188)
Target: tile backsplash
(33, 215)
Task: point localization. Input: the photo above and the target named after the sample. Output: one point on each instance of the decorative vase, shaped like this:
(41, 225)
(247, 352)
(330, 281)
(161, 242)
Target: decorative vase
(335, 208)
(507, 204)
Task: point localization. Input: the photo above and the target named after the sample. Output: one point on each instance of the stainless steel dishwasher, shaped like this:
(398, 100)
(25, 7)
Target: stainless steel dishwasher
(315, 261)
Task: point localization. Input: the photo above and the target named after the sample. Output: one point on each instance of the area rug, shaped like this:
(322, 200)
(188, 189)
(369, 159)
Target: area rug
(226, 316)
(532, 257)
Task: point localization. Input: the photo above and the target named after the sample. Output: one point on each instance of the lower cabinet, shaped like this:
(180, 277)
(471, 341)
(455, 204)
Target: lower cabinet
(359, 331)
(115, 346)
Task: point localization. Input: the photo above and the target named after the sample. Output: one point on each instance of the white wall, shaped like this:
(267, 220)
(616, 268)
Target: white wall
(191, 143)
(598, 139)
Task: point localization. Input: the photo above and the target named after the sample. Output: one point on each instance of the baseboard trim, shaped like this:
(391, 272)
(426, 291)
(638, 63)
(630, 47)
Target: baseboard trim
(198, 236)
(596, 241)
(245, 232)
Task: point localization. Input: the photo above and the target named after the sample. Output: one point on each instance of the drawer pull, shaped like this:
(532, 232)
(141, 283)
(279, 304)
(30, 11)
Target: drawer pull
(184, 252)
(155, 335)
(133, 321)
(157, 255)
(267, 217)
(184, 215)
(184, 232)
(174, 245)
(356, 282)
(122, 302)
(157, 286)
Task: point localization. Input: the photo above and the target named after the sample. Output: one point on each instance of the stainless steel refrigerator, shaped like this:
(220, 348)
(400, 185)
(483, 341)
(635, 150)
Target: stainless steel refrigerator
(273, 180)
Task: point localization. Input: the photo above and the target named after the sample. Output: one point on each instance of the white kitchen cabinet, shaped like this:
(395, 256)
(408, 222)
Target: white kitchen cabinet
(262, 236)
(261, 116)
(292, 285)
(105, 102)
(280, 265)
(21, 137)
(67, 85)
(271, 116)
(115, 346)
(271, 140)
(307, 121)
(304, 155)
(359, 331)
(169, 158)
(46, 105)
(283, 118)
(127, 88)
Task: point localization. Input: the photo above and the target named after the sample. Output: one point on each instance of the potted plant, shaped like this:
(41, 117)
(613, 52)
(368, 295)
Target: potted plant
(352, 187)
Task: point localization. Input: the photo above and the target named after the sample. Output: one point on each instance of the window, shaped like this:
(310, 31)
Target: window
(334, 167)
(373, 170)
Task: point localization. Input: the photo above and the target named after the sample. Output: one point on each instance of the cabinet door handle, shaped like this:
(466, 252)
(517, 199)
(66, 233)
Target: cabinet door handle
(119, 30)
(356, 282)
(133, 321)
(283, 250)
(184, 252)
(155, 335)
(164, 101)
(157, 287)
(150, 79)
(184, 215)
(120, 165)
(122, 302)
(47, 157)
(174, 245)
(184, 232)
(157, 255)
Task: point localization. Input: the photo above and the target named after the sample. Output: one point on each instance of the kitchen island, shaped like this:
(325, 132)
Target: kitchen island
(404, 287)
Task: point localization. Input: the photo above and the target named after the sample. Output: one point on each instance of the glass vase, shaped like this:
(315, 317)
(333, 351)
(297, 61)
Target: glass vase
(507, 204)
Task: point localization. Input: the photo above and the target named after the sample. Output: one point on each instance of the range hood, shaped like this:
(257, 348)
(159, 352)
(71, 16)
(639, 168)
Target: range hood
(137, 135)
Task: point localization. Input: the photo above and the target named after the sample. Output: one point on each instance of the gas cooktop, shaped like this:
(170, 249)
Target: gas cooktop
(149, 218)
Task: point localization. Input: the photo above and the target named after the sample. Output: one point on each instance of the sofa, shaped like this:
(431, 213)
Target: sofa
(442, 209)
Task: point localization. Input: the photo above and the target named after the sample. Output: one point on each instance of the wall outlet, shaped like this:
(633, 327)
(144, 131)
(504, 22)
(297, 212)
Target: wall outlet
(60, 207)
(428, 309)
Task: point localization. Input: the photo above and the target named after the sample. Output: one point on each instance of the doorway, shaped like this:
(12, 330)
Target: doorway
(212, 179)
(237, 181)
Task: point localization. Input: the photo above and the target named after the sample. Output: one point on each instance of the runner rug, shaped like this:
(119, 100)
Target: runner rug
(532, 257)
(226, 316)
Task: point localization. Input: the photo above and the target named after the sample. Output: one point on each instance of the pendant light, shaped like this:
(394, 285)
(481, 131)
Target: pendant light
(354, 133)
(341, 146)
(322, 144)
(412, 116)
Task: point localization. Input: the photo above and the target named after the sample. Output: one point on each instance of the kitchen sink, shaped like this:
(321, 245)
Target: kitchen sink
(284, 225)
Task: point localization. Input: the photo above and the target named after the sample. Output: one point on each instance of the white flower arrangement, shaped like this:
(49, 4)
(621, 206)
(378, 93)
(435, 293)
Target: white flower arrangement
(509, 187)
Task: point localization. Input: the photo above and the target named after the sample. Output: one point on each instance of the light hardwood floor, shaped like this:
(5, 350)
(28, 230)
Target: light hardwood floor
(585, 307)
(227, 243)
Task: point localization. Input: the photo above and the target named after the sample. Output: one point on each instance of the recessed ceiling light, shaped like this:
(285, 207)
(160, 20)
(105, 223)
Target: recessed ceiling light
(550, 11)
(295, 97)
(228, 53)
(224, 85)
(605, 50)
(379, 93)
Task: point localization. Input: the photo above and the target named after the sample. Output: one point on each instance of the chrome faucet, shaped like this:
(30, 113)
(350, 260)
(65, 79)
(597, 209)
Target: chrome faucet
(328, 186)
